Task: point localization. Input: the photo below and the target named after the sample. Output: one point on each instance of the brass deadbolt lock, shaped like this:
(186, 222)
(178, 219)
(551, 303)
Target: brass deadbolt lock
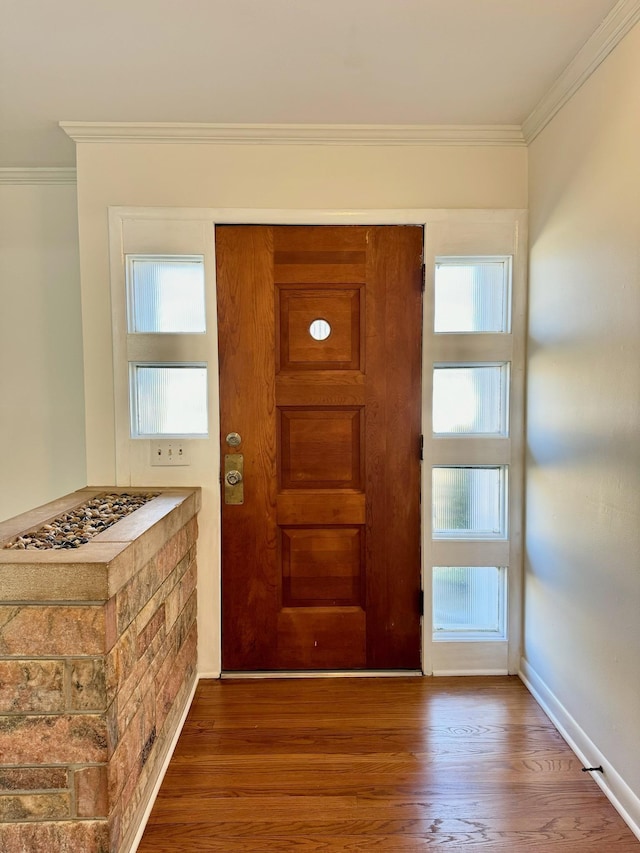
(233, 479)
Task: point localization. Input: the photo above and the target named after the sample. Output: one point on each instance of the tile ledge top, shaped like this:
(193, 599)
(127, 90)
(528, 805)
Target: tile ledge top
(103, 547)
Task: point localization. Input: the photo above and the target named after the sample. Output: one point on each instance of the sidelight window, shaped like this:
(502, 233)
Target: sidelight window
(471, 399)
(165, 294)
(473, 340)
(166, 322)
(469, 502)
(168, 400)
(469, 600)
(472, 295)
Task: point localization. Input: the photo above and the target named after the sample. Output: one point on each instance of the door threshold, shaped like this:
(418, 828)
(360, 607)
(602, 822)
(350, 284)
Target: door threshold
(326, 673)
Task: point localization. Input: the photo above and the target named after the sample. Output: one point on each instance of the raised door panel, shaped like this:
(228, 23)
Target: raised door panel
(338, 309)
(322, 567)
(321, 448)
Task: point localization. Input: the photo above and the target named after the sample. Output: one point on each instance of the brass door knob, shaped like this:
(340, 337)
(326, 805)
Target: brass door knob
(233, 478)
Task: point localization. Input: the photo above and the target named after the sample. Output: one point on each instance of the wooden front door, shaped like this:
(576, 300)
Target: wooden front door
(320, 351)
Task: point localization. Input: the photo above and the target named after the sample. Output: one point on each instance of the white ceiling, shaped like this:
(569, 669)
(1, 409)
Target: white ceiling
(276, 61)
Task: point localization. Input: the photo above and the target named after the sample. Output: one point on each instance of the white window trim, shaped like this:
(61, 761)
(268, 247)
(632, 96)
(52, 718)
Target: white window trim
(482, 239)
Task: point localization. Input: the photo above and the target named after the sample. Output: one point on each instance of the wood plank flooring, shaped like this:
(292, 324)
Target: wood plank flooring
(377, 764)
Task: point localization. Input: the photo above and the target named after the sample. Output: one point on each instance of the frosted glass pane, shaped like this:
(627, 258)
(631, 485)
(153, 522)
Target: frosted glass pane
(166, 295)
(468, 502)
(169, 400)
(470, 400)
(472, 296)
(468, 599)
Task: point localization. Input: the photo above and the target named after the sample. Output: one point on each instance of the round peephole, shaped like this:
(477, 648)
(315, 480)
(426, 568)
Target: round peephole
(319, 330)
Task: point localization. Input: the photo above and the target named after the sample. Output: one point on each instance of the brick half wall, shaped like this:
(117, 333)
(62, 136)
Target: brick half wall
(92, 693)
(150, 671)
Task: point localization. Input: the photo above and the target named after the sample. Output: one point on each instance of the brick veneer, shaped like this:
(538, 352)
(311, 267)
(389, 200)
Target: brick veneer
(98, 651)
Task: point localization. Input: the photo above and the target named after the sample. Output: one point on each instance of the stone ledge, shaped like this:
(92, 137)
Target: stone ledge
(98, 569)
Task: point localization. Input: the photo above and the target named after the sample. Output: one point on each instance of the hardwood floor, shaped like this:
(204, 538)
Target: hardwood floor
(377, 764)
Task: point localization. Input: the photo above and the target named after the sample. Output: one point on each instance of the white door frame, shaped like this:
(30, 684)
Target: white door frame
(155, 227)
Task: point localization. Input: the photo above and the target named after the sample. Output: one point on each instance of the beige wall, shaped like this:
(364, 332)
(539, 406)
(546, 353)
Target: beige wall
(582, 615)
(41, 384)
(250, 176)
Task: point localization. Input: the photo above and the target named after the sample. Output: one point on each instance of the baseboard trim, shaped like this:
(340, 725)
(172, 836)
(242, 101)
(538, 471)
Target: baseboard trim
(620, 795)
(464, 673)
(164, 766)
(215, 675)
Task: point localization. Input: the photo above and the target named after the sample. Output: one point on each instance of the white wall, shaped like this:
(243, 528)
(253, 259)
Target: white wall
(582, 611)
(249, 176)
(41, 379)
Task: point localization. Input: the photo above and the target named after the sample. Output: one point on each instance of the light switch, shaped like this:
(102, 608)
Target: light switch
(169, 452)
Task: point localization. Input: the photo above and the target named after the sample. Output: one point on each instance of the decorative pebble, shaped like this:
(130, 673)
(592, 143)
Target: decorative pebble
(77, 526)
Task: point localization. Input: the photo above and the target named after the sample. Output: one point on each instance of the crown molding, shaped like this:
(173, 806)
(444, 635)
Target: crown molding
(37, 175)
(622, 18)
(294, 134)
(624, 15)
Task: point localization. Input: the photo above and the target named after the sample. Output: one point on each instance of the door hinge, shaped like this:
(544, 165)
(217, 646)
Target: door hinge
(424, 277)
(421, 448)
(420, 602)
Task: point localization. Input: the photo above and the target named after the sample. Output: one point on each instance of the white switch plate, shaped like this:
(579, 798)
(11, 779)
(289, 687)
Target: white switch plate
(169, 452)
